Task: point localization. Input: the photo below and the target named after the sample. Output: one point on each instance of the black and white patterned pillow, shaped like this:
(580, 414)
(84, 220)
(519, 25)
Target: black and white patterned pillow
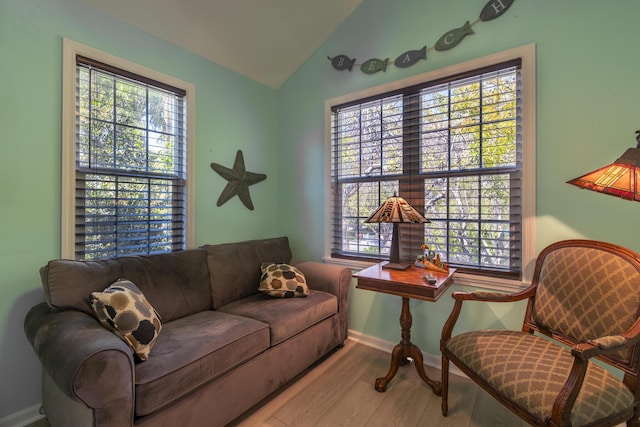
(282, 280)
(124, 310)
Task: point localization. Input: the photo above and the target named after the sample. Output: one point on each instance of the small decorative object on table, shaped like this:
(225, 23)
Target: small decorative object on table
(430, 278)
(431, 261)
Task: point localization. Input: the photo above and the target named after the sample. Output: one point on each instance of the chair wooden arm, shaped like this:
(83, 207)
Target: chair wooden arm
(482, 296)
(563, 405)
(609, 344)
(582, 352)
(494, 296)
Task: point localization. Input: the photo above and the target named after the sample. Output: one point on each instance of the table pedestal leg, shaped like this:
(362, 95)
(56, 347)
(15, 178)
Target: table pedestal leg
(405, 350)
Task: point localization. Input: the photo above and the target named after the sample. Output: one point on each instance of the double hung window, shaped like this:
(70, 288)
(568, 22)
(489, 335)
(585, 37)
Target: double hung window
(130, 164)
(453, 147)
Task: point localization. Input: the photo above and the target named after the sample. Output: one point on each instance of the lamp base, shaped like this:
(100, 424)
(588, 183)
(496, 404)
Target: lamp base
(396, 265)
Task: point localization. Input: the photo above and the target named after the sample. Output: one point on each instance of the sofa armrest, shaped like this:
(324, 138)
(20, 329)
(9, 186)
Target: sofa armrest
(328, 278)
(334, 279)
(86, 361)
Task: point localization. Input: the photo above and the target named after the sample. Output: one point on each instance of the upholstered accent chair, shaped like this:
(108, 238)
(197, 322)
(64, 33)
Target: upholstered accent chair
(582, 314)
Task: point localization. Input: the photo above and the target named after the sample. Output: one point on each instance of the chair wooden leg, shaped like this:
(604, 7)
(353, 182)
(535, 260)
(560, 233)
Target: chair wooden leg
(445, 385)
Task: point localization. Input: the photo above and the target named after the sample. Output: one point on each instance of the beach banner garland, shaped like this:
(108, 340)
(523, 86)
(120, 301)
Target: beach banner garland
(492, 10)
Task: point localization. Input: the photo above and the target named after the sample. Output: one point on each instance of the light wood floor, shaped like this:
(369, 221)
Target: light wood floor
(339, 392)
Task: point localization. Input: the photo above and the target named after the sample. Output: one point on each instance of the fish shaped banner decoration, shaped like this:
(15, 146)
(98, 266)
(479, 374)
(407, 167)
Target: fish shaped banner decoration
(342, 62)
(410, 57)
(453, 37)
(374, 65)
(494, 9)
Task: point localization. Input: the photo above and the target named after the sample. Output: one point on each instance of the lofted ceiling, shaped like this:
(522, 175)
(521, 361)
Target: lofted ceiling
(265, 40)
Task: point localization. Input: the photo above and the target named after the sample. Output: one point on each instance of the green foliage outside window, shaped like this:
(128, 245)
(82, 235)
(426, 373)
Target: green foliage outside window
(130, 170)
(452, 150)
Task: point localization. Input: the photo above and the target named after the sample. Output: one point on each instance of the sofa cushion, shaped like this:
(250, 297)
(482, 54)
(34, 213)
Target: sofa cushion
(235, 267)
(192, 351)
(285, 316)
(282, 281)
(123, 309)
(176, 284)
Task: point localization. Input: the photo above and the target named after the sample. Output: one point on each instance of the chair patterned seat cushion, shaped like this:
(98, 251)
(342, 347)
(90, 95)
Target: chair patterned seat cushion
(531, 370)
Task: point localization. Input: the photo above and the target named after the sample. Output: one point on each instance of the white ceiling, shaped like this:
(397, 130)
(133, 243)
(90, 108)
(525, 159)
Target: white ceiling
(265, 40)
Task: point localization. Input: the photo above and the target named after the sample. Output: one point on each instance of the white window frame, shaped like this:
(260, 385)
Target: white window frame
(527, 54)
(70, 49)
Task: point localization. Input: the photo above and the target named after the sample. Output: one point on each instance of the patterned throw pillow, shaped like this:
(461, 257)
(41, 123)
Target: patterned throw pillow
(123, 309)
(282, 280)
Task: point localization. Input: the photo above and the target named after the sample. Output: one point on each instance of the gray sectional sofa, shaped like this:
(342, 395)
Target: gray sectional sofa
(223, 346)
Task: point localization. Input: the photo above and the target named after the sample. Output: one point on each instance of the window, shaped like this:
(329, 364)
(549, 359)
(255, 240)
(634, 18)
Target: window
(126, 158)
(452, 143)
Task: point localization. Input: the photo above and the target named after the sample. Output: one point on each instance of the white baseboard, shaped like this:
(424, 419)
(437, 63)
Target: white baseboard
(431, 360)
(22, 418)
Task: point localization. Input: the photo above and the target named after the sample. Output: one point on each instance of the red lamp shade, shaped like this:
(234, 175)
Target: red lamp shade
(621, 178)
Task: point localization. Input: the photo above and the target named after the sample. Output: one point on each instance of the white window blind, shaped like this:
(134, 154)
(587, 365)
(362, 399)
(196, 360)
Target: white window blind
(130, 178)
(453, 149)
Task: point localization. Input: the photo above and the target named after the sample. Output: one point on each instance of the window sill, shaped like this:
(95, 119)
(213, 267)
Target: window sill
(463, 279)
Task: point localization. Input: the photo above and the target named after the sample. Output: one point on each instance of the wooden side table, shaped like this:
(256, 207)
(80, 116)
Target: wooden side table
(407, 284)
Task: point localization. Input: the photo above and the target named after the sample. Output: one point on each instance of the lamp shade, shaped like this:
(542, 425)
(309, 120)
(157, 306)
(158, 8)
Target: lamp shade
(396, 210)
(621, 178)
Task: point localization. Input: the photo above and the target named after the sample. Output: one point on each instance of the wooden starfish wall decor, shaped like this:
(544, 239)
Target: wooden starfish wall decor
(239, 181)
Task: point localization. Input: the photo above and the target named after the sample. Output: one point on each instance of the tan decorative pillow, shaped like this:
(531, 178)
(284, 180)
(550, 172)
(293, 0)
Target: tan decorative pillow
(283, 281)
(123, 309)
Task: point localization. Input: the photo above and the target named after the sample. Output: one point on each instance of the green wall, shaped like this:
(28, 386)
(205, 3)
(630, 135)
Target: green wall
(586, 116)
(31, 33)
(587, 112)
